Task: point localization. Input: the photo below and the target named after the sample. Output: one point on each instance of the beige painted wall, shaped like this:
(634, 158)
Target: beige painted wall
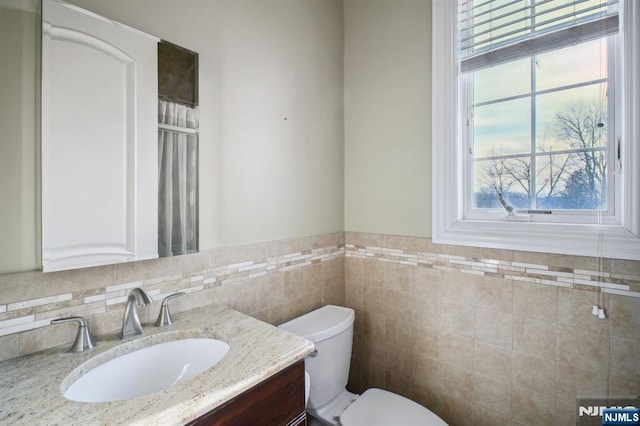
(262, 177)
(19, 25)
(388, 116)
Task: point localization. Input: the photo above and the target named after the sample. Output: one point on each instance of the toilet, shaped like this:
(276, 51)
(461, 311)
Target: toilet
(330, 328)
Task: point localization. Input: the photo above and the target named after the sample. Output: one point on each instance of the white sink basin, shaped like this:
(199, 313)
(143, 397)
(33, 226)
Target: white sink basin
(147, 370)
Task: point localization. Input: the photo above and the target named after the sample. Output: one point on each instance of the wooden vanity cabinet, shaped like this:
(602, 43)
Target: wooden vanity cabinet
(278, 401)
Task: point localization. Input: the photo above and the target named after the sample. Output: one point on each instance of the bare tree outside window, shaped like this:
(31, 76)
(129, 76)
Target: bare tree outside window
(510, 177)
(583, 126)
(574, 178)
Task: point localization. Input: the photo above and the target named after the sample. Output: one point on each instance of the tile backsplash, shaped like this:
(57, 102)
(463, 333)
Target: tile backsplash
(479, 336)
(609, 276)
(273, 281)
(490, 337)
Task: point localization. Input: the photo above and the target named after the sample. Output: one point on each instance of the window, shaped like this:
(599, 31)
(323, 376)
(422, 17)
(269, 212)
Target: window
(531, 110)
(538, 137)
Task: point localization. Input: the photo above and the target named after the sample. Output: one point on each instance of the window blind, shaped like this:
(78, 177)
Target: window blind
(491, 32)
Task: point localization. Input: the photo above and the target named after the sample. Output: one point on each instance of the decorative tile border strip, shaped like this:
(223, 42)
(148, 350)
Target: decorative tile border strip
(620, 284)
(35, 313)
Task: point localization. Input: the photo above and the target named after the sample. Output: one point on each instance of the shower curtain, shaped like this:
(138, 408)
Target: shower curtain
(178, 180)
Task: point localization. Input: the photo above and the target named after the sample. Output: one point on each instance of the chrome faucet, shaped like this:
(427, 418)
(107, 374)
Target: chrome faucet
(131, 324)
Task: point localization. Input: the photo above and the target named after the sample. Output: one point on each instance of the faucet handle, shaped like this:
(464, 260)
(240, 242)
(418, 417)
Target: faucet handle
(84, 341)
(164, 317)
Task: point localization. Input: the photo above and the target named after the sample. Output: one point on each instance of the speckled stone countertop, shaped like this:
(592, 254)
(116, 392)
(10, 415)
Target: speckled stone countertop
(30, 386)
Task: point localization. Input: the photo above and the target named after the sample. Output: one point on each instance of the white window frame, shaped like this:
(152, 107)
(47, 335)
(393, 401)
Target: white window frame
(619, 241)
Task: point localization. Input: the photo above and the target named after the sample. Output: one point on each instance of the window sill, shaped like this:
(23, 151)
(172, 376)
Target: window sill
(583, 240)
(611, 241)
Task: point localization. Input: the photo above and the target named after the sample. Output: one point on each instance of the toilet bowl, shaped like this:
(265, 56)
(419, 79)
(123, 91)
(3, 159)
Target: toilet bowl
(330, 328)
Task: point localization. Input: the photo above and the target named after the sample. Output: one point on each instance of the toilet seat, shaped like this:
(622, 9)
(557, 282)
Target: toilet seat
(377, 407)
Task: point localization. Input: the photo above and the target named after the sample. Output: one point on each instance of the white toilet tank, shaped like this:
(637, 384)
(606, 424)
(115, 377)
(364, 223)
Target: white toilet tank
(330, 328)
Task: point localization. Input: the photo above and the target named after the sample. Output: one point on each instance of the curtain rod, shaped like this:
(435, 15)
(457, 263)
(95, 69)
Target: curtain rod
(178, 129)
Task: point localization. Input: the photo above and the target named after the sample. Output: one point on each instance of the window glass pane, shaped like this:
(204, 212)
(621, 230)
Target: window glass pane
(502, 81)
(572, 181)
(572, 119)
(510, 177)
(552, 172)
(575, 64)
(542, 150)
(502, 128)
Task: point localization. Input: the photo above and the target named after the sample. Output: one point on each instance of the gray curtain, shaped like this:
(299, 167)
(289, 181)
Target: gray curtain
(177, 181)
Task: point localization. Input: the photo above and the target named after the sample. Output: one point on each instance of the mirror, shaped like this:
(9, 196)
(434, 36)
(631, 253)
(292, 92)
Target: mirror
(78, 198)
(20, 25)
(119, 151)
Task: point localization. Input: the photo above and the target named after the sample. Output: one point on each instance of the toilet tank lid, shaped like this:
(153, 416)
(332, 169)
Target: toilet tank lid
(322, 323)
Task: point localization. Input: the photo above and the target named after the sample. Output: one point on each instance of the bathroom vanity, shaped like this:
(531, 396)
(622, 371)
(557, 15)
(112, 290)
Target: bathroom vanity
(276, 401)
(259, 381)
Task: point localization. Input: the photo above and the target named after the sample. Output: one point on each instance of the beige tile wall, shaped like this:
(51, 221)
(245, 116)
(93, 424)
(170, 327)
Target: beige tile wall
(273, 281)
(490, 337)
(483, 337)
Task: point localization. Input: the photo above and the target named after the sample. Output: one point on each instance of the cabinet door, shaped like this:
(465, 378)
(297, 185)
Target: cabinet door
(99, 140)
(278, 401)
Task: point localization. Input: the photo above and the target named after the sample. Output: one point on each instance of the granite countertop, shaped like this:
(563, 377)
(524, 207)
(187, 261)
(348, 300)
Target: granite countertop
(30, 386)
